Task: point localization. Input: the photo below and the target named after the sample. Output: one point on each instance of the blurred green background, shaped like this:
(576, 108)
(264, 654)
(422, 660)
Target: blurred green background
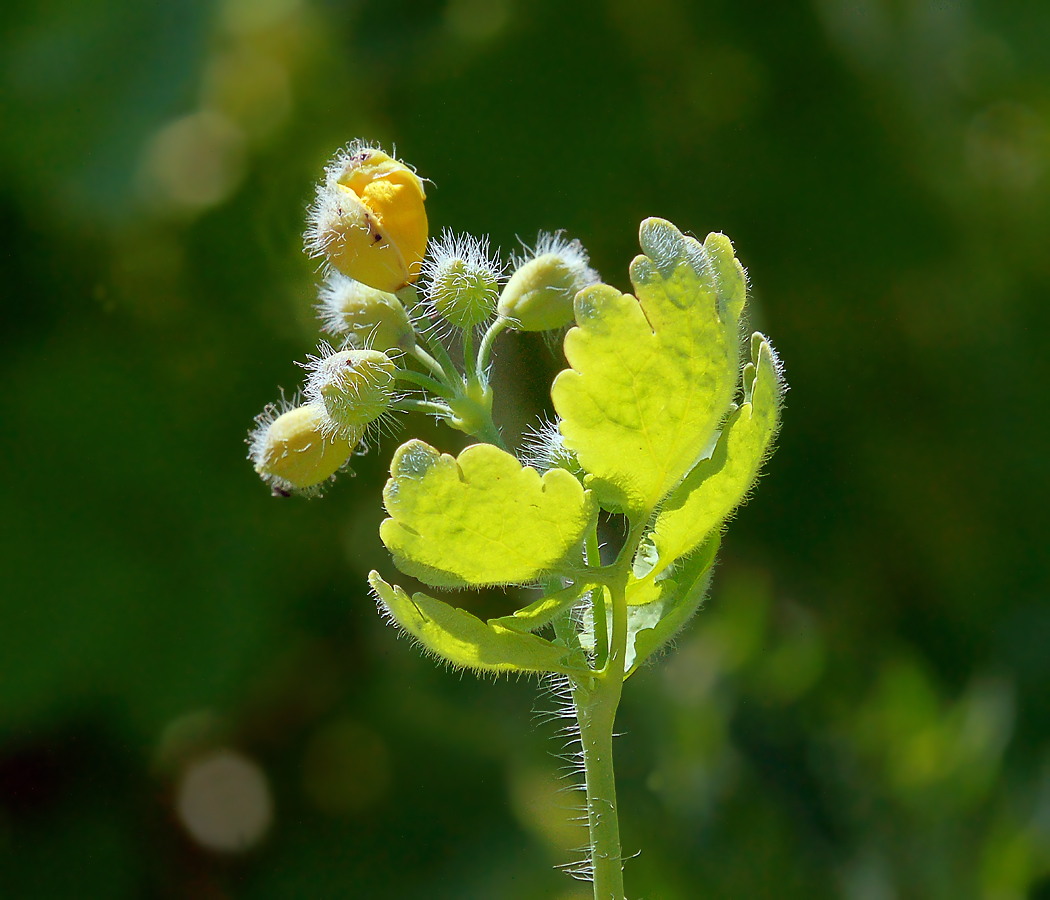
(197, 698)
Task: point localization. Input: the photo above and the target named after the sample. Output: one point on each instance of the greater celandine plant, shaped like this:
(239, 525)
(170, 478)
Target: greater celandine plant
(664, 417)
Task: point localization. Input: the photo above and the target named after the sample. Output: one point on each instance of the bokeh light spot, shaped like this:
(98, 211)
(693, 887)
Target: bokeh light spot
(224, 802)
(193, 163)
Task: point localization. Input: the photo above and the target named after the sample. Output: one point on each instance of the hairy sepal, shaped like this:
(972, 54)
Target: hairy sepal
(652, 378)
(482, 518)
(651, 627)
(465, 642)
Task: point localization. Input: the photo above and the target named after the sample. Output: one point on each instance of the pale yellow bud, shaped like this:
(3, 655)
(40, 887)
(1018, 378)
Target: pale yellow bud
(297, 450)
(370, 318)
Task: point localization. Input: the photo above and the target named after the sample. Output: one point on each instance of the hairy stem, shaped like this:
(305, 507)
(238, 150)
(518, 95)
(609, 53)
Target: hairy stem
(596, 711)
(596, 707)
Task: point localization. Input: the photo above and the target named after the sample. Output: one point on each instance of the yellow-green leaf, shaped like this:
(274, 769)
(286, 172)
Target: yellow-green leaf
(464, 641)
(543, 611)
(480, 519)
(716, 486)
(652, 378)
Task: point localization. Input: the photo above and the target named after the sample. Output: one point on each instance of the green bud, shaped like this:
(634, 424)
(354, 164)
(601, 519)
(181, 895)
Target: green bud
(355, 386)
(462, 279)
(540, 293)
(369, 317)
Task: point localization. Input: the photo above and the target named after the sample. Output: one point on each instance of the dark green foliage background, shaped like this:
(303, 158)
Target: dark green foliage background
(861, 710)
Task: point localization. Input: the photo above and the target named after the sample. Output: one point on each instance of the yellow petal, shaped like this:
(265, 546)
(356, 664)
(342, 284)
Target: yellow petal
(357, 244)
(397, 201)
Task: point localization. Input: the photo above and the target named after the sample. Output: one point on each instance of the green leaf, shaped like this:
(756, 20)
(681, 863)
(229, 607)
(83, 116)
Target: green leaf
(652, 378)
(643, 590)
(651, 627)
(480, 519)
(464, 641)
(716, 486)
(543, 611)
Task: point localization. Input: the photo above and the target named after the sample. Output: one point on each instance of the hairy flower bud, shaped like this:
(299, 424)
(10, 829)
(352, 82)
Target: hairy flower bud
(355, 386)
(540, 293)
(544, 449)
(369, 219)
(370, 318)
(462, 279)
(295, 450)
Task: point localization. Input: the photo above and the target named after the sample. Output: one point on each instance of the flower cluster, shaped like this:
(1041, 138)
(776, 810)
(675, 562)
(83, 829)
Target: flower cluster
(390, 298)
(664, 420)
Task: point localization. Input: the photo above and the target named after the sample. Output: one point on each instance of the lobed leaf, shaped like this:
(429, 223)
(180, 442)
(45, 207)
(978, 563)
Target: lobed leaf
(480, 519)
(464, 641)
(717, 485)
(652, 378)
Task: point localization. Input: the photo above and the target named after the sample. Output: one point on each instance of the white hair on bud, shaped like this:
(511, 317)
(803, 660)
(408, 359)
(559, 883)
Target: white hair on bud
(259, 437)
(317, 376)
(542, 446)
(483, 269)
(324, 213)
(331, 299)
(256, 439)
(571, 253)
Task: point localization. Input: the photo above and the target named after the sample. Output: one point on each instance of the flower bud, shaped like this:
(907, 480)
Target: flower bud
(540, 293)
(462, 279)
(355, 386)
(369, 219)
(544, 449)
(370, 318)
(295, 449)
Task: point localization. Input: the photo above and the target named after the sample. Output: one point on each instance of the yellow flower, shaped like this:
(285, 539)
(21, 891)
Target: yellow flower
(369, 220)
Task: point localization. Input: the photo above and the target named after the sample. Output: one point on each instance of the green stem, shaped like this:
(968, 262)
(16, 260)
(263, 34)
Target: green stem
(424, 381)
(596, 706)
(468, 354)
(410, 404)
(428, 362)
(596, 712)
(485, 428)
(443, 360)
(485, 350)
(601, 624)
